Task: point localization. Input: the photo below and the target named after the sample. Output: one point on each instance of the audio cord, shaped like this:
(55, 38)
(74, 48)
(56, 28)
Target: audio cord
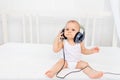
(63, 67)
(111, 73)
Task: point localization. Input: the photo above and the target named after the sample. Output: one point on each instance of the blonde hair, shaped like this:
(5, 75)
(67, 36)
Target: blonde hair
(73, 21)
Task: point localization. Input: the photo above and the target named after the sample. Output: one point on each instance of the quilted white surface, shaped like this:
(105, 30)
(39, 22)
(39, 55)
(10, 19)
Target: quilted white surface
(30, 61)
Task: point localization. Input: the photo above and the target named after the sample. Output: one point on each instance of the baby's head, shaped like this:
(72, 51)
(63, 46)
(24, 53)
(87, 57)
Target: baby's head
(71, 28)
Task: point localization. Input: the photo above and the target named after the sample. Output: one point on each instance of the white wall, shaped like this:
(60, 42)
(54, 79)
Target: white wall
(1, 37)
(52, 7)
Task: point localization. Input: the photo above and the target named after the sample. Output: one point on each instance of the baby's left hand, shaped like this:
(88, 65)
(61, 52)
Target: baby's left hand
(95, 50)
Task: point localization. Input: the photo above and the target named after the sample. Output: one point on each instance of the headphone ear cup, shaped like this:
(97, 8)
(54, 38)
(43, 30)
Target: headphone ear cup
(64, 36)
(63, 30)
(79, 37)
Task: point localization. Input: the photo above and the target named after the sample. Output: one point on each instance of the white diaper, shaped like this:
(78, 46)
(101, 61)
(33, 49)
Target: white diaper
(72, 65)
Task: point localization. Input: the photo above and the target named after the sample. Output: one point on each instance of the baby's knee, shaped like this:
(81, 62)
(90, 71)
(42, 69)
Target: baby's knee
(82, 64)
(61, 61)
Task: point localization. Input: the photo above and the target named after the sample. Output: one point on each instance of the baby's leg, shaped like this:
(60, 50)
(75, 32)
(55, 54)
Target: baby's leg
(88, 70)
(50, 73)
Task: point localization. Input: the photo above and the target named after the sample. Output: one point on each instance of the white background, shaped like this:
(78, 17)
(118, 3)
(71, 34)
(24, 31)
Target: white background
(52, 16)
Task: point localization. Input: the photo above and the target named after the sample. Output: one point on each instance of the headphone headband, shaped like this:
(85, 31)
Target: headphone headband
(81, 27)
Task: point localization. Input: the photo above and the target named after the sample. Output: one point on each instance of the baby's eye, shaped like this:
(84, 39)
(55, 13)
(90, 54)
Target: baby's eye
(66, 29)
(73, 29)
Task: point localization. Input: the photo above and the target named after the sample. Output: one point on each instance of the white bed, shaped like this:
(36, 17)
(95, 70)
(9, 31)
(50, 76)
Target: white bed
(30, 61)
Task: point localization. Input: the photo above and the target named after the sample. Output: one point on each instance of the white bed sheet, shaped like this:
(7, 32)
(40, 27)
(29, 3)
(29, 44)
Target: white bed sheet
(30, 61)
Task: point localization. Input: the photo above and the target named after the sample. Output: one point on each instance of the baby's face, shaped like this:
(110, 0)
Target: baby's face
(71, 29)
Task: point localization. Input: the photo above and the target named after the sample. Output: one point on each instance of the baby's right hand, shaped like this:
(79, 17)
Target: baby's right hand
(60, 36)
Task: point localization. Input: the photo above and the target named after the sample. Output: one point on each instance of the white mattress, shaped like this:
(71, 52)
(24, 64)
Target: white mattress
(30, 61)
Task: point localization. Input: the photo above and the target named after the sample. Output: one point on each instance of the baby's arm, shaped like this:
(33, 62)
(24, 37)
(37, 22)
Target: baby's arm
(88, 51)
(58, 43)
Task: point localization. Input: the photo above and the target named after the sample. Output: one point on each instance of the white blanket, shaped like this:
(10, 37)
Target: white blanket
(31, 61)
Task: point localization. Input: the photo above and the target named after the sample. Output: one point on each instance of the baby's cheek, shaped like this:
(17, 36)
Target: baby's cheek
(74, 35)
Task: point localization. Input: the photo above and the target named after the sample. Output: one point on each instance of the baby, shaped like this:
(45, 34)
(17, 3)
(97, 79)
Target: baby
(73, 52)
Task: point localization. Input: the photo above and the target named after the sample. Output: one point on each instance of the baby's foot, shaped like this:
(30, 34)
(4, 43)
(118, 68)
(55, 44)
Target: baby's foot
(50, 74)
(95, 74)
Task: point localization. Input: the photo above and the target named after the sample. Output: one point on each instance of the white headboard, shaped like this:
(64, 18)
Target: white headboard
(29, 28)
